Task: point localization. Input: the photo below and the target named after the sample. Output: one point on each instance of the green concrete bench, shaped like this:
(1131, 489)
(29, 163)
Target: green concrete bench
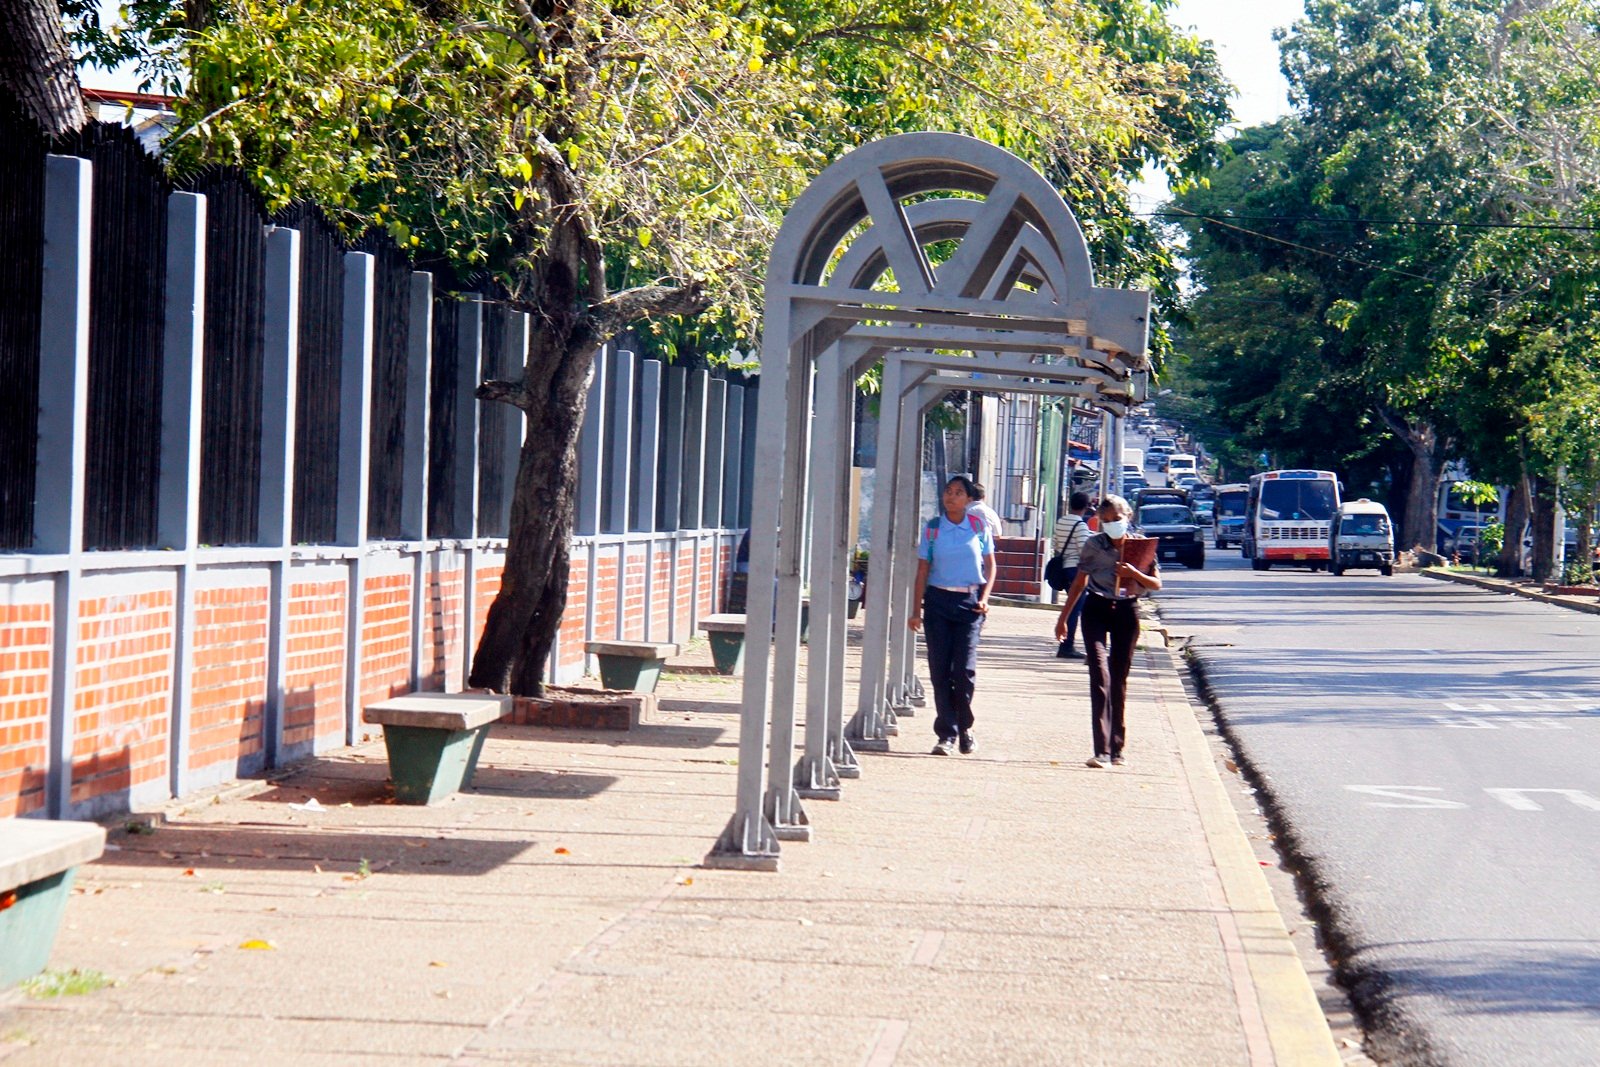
(727, 641)
(38, 858)
(434, 740)
(631, 665)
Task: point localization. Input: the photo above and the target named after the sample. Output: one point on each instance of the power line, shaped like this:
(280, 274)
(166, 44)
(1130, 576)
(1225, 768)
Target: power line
(1440, 223)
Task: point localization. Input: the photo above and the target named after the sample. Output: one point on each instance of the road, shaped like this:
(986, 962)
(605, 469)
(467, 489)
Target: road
(1434, 753)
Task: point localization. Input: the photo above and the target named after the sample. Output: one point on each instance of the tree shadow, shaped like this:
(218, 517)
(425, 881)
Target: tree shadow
(218, 847)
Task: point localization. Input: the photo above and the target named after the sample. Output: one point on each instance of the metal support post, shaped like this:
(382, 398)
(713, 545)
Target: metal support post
(865, 730)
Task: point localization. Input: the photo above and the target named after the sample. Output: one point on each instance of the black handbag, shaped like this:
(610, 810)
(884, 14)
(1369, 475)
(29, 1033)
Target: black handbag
(1055, 571)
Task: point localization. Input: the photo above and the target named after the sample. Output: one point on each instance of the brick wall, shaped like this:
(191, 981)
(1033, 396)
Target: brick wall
(683, 592)
(660, 593)
(607, 594)
(123, 693)
(24, 706)
(569, 650)
(633, 586)
(313, 704)
(385, 637)
(228, 711)
(485, 589)
(441, 627)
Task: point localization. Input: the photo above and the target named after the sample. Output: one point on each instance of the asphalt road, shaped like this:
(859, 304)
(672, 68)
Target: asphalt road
(1435, 753)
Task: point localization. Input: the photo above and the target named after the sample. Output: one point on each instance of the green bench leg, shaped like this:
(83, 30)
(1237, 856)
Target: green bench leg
(28, 927)
(428, 765)
(727, 651)
(630, 672)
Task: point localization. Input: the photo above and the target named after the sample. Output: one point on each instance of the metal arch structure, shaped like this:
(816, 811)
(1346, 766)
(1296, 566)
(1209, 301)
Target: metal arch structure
(849, 282)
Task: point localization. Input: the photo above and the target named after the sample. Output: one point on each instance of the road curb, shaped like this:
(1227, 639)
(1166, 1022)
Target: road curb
(1495, 585)
(1296, 1030)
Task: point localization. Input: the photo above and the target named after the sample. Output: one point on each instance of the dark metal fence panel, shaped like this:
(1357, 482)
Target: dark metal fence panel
(230, 428)
(317, 377)
(127, 285)
(442, 420)
(492, 423)
(391, 322)
(21, 278)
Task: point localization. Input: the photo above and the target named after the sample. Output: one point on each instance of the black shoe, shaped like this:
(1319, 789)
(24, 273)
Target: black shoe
(945, 745)
(967, 743)
(1068, 653)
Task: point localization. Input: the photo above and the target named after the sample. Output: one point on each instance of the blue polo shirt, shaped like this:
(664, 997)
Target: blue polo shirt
(955, 554)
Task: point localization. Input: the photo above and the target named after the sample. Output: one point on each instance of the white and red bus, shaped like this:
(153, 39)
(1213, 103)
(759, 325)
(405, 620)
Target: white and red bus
(1288, 516)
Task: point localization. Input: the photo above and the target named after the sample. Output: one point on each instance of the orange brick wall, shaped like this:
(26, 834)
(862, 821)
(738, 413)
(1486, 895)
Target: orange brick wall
(682, 594)
(569, 653)
(24, 706)
(230, 677)
(486, 588)
(124, 693)
(441, 626)
(707, 592)
(633, 583)
(385, 637)
(660, 595)
(606, 593)
(313, 706)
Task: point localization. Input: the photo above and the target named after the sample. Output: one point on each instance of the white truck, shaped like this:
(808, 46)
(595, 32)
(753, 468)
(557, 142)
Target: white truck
(1133, 457)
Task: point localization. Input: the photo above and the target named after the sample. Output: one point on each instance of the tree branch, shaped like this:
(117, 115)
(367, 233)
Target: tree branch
(611, 316)
(503, 392)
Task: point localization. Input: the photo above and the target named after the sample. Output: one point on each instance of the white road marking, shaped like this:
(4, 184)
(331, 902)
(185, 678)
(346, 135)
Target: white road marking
(1400, 792)
(1519, 800)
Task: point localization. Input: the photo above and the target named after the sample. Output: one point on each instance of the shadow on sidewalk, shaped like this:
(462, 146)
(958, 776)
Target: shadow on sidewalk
(212, 850)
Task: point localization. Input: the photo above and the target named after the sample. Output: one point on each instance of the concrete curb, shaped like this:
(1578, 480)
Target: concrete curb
(1288, 1016)
(1497, 585)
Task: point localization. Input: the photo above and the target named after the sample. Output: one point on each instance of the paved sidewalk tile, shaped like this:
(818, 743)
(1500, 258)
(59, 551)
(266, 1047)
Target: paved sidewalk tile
(1008, 907)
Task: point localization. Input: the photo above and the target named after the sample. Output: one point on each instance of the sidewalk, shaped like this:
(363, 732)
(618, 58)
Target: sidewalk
(1526, 588)
(1009, 907)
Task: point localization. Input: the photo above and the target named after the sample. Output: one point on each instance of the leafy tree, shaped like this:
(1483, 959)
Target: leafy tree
(618, 167)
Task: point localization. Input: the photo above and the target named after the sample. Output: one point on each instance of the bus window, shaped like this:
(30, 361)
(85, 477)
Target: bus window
(1299, 501)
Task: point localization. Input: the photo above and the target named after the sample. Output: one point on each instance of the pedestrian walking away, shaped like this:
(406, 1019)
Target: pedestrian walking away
(980, 507)
(1071, 531)
(1110, 589)
(955, 572)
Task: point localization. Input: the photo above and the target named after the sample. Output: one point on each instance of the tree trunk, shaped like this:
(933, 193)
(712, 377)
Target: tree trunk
(1544, 531)
(36, 65)
(523, 620)
(1419, 525)
(1510, 565)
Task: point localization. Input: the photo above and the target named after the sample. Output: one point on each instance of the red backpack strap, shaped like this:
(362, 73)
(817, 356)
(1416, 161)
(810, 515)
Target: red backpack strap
(976, 524)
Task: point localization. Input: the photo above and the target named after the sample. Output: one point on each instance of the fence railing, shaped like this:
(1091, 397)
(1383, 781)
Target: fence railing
(245, 486)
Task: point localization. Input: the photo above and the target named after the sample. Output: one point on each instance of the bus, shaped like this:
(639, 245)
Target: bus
(1456, 511)
(1229, 514)
(1288, 515)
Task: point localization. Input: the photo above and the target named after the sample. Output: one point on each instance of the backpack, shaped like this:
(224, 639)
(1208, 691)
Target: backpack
(933, 526)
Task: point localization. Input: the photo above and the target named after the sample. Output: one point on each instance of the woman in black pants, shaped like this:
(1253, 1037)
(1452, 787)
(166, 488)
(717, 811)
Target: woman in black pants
(955, 571)
(1110, 624)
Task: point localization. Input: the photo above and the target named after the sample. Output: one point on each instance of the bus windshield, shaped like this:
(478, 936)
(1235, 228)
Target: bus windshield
(1231, 503)
(1298, 500)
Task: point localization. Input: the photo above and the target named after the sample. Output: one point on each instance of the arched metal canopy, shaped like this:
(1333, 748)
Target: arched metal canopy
(850, 281)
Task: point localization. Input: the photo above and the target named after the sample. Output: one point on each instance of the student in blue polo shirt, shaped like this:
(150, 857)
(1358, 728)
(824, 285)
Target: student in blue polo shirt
(955, 571)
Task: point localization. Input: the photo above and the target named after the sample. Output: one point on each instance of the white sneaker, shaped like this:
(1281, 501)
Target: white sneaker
(1096, 760)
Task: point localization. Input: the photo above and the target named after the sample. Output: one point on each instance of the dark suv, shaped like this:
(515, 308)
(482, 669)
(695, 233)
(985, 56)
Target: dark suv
(1180, 537)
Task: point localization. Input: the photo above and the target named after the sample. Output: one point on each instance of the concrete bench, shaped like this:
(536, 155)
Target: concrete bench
(726, 633)
(434, 740)
(631, 665)
(38, 858)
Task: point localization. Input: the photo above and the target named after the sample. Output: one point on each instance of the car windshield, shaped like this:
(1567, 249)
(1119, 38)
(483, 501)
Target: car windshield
(1364, 524)
(1296, 500)
(1163, 515)
(1231, 504)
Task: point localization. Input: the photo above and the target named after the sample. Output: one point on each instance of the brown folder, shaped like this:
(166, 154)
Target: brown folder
(1141, 553)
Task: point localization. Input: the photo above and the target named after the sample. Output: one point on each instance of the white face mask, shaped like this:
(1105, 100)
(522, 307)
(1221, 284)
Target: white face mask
(1114, 528)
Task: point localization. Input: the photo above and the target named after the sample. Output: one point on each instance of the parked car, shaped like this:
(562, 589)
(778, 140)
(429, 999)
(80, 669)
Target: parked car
(1466, 544)
(1181, 538)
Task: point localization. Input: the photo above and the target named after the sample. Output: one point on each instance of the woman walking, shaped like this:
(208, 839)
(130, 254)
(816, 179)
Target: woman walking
(1111, 589)
(1071, 531)
(955, 571)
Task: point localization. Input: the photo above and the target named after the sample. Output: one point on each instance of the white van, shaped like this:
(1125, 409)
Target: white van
(1180, 463)
(1133, 457)
(1362, 535)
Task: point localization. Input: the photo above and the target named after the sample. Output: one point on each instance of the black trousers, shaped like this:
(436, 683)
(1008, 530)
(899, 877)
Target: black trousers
(951, 625)
(1110, 630)
(1072, 619)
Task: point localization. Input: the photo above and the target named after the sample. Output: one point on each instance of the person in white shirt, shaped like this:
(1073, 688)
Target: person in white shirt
(1071, 531)
(990, 517)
